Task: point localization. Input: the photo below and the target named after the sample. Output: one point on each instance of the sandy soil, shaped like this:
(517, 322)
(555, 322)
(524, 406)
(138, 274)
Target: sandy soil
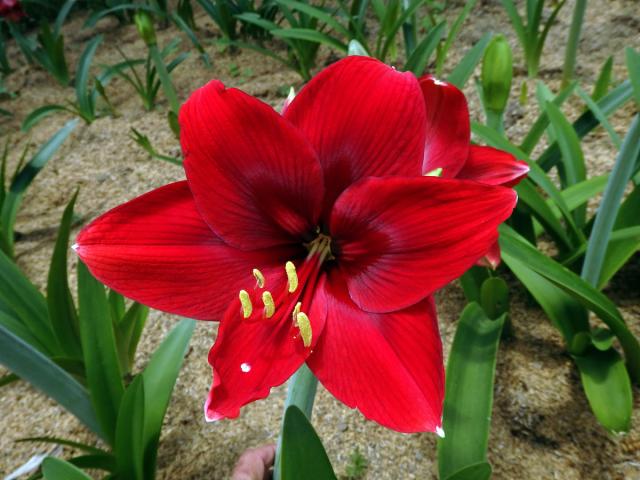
(542, 426)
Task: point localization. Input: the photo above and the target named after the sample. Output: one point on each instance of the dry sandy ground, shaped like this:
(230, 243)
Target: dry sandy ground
(542, 426)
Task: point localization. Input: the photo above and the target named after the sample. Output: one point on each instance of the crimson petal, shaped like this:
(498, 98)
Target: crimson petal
(364, 119)
(400, 239)
(255, 179)
(252, 355)
(448, 129)
(157, 250)
(388, 366)
(493, 167)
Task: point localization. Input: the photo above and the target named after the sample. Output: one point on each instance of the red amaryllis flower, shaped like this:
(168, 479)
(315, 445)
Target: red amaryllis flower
(314, 236)
(11, 10)
(448, 150)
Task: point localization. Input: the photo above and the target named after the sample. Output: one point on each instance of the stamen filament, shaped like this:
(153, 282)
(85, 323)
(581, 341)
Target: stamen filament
(304, 325)
(259, 277)
(292, 276)
(245, 301)
(296, 311)
(269, 306)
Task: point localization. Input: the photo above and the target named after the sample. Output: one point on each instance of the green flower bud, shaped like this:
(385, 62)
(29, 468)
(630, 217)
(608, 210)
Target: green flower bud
(497, 72)
(144, 24)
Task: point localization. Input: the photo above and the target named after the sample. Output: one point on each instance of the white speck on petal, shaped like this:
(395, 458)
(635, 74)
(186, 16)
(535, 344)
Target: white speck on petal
(245, 367)
(440, 432)
(440, 82)
(74, 247)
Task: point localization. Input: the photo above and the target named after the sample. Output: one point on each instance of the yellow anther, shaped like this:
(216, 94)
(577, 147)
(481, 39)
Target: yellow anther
(434, 173)
(296, 311)
(304, 325)
(292, 276)
(247, 308)
(259, 277)
(269, 306)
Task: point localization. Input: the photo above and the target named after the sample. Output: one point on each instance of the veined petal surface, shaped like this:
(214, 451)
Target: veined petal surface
(493, 167)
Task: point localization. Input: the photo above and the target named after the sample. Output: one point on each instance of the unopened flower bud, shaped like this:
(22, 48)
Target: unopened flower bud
(144, 24)
(497, 72)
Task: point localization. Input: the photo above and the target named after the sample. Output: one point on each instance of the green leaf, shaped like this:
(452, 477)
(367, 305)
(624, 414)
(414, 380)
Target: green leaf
(62, 311)
(573, 170)
(84, 98)
(467, 65)
(310, 36)
(608, 388)
(494, 297)
(129, 446)
(67, 443)
(356, 48)
(602, 118)
(24, 178)
(608, 210)
(417, 62)
(39, 113)
(317, 13)
(303, 455)
(601, 87)
(159, 379)
(478, 471)
(35, 368)
(57, 469)
(104, 377)
(514, 246)
(22, 301)
(469, 391)
(452, 34)
(633, 67)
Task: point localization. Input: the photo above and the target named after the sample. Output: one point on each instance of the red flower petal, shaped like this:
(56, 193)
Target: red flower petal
(255, 179)
(157, 250)
(492, 258)
(250, 356)
(400, 239)
(364, 119)
(448, 130)
(388, 366)
(493, 167)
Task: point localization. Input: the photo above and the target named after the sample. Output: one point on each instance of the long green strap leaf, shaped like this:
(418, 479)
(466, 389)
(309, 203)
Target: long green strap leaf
(514, 245)
(83, 97)
(469, 62)
(129, 447)
(62, 311)
(303, 455)
(608, 210)
(104, 377)
(469, 391)
(32, 366)
(57, 469)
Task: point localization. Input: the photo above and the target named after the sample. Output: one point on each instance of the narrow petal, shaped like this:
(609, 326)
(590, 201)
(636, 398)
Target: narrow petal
(364, 119)
(388, 366)
(252, 355)
(448, 130)
(492, 258)
(493, 167)
(255, 179)
(400, 239)
(156, 249)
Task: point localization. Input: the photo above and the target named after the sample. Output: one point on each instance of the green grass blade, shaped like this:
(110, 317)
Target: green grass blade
(469, 391)
(40, 113)
(129, 447)
(302, 453)
(452, 34)
(35, 368)
(633, 67)
(601, 86)
(62, 311)
(104, 377)
(608, 210)
(317, 13)
(573, 170)
(602, 118)
(467, 65)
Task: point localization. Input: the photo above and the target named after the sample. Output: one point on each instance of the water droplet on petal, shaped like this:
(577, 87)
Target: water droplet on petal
(245, 367)
(440, 432)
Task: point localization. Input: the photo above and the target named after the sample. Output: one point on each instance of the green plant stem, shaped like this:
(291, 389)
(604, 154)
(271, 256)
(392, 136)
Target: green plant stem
(572, 42)
(607, 212)
(301, 393)
(165, 79)
(495, 120)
